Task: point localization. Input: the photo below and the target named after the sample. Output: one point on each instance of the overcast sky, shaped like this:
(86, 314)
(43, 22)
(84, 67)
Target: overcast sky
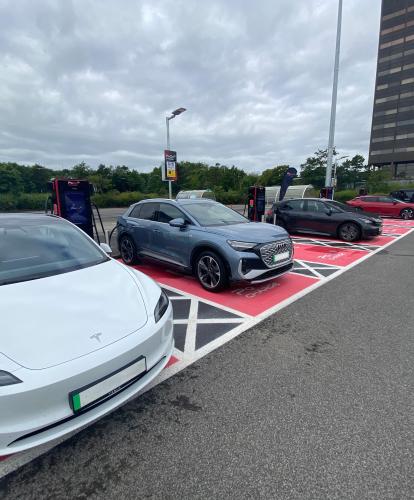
(92, 80)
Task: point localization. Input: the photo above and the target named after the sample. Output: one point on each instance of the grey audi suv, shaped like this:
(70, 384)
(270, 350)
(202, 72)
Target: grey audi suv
(205, 238)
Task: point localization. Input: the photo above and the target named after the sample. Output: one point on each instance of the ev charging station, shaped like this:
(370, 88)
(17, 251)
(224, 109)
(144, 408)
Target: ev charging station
(71, 200)
(256, 203)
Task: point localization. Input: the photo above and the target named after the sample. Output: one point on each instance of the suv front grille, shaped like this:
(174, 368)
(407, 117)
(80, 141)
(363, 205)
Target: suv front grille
(270, 251)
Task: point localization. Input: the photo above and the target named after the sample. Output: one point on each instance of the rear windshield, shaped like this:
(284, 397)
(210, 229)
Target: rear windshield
(34, 248)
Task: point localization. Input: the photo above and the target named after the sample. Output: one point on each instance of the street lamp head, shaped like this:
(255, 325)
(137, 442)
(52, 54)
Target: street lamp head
(178, 111)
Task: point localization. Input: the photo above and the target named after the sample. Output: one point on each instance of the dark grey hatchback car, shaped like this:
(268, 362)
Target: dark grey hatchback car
(206, 238)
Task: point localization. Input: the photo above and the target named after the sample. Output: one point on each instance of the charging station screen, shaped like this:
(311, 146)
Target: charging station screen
(74, 203)
(76, 210)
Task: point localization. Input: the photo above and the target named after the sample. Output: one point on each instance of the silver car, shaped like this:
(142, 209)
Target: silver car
(206, 238)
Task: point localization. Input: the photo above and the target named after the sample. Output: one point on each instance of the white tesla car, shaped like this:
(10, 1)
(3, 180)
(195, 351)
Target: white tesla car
(80, 333)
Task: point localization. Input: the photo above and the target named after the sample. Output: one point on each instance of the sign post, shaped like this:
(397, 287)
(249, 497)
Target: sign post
(169, 171)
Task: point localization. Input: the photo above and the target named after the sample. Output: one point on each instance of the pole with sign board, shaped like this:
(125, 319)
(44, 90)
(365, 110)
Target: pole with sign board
(169, 171)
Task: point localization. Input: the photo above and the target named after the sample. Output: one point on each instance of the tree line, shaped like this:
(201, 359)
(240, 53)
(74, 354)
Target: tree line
(119, 184)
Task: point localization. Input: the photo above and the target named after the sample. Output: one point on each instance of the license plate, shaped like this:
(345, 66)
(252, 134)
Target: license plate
(280, 256)
(107, 387)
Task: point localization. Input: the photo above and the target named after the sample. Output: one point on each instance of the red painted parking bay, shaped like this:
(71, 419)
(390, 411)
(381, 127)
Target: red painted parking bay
(248, 299)
(328, 255)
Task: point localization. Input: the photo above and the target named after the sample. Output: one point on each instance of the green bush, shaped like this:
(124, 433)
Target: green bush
(24, 201)
(345, 195)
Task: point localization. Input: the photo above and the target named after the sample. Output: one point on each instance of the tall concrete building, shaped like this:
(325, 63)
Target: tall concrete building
(392, 132)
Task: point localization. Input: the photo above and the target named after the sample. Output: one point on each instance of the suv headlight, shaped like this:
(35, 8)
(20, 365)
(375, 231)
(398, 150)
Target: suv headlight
(367, 221)
(241, 246)
(7, 378)
(162, 306)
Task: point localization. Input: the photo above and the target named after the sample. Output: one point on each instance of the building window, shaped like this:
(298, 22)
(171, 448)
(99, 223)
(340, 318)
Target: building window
(386, 99)
(407, 80)
(401, 137)
(405, 108)
(405, 122)
(394, 14)
(392, 43)
(408, 66)
(381, 152)
(390, 58)
(386, 112)
(404, 95)
(390, 71)
(384, 125)
(394, 28)
(403, 150)
(383, 139)
(409, 38)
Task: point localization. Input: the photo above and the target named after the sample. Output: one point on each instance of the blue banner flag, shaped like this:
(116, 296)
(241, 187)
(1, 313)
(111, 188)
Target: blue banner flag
(287, 181)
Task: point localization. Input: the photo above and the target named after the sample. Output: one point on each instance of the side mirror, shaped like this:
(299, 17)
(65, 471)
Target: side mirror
(394, 202)
(179, 222)
(329, 211)
(106, 248)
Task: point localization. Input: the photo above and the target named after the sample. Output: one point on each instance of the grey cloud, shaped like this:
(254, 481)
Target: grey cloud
(94, 80)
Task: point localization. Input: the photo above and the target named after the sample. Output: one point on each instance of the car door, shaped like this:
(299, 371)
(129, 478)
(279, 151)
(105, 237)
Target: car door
(369, 204)
(388, 206)
(291, 213)
(171, 243)
(141, 223)
(317, 219)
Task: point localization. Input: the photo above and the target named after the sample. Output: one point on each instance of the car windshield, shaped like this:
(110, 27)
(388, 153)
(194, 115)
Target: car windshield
(33, 248)
(214, 214)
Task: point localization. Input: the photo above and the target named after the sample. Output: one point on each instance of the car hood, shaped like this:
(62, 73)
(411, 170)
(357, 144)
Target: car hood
(53, 320)
(255, 232)
(366, 215)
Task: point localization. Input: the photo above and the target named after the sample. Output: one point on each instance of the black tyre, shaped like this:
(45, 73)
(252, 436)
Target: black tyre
(407, 213)
(128, 250)
(210, 271)
(349, 231)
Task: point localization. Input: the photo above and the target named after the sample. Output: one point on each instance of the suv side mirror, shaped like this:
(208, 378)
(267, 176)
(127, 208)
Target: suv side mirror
(329, 211)
(179, 222)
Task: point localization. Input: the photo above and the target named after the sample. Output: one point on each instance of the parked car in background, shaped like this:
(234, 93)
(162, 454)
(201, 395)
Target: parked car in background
(206, 238)
(404, 195)
(80, 332)
(325, 217)
(383, 205)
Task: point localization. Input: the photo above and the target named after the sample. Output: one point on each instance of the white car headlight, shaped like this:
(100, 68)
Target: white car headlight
(7, 378)
(241, 246)
(161, 306)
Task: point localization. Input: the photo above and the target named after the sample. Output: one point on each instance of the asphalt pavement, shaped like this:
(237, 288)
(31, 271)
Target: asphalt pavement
(316, 402)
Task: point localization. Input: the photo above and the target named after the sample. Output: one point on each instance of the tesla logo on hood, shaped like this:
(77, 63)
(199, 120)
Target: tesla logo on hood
(96, 336)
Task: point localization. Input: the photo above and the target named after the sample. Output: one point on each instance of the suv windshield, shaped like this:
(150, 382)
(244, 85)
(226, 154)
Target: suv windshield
(214, 214)
(32, 248)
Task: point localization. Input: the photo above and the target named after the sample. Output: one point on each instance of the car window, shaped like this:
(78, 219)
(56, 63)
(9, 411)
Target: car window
(149, 211)
(168, 212)
(316, 206)
(369, 199)
(385, 199)
(35, 248)
(293, 205)
(135, 211)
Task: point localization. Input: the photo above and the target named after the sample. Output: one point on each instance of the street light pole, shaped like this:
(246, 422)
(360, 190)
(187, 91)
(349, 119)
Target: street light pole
(328, 178)
(175, 113)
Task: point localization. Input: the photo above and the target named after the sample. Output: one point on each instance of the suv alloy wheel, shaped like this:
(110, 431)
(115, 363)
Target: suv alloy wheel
(211, 271)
